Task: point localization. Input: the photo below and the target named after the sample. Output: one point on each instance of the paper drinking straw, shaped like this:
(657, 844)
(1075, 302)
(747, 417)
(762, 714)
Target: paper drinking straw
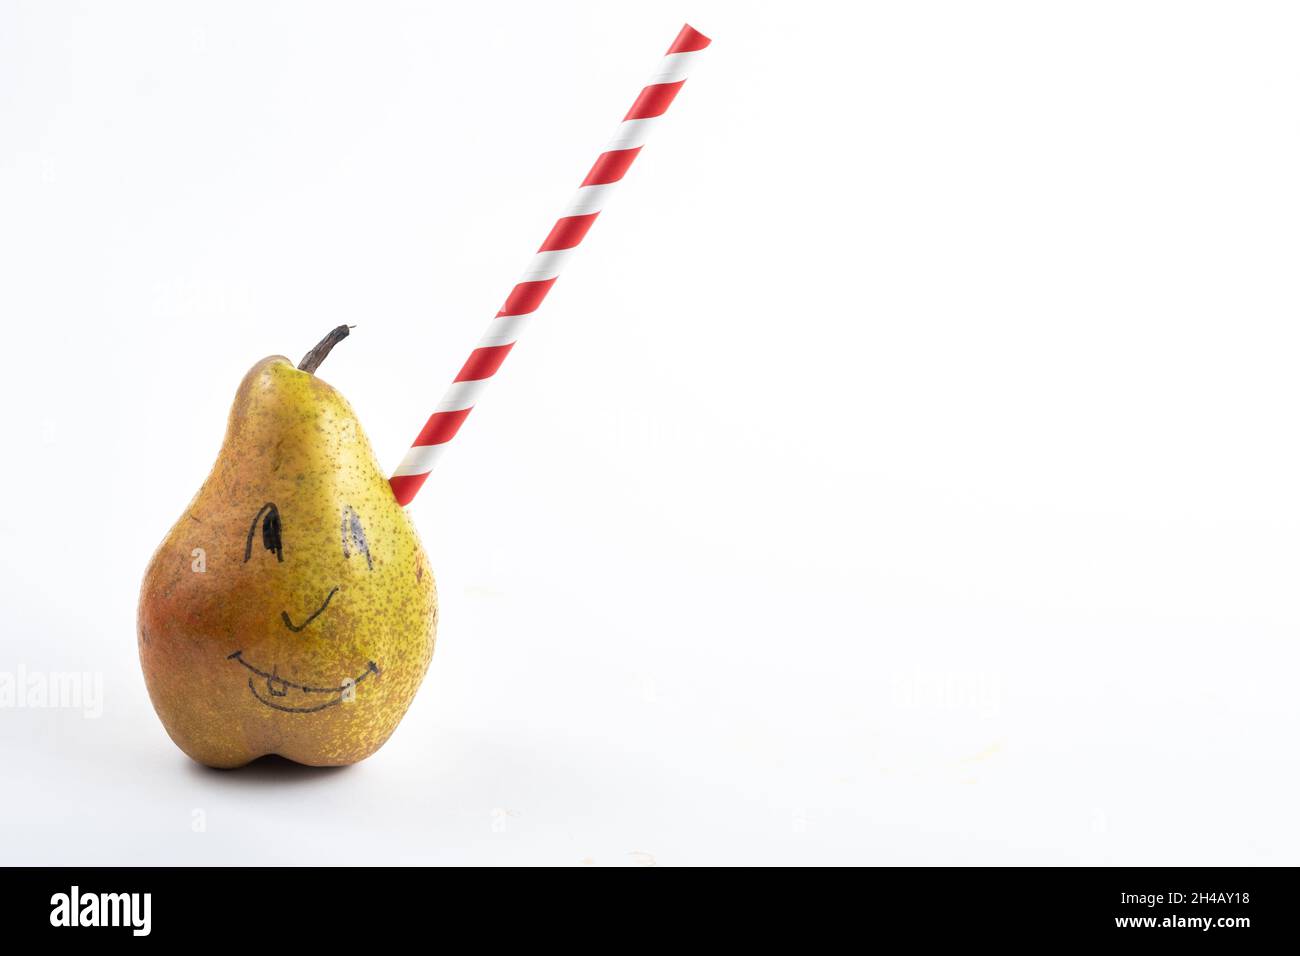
(542, 271)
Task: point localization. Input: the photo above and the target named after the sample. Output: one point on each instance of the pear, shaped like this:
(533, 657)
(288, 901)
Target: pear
(291, 609)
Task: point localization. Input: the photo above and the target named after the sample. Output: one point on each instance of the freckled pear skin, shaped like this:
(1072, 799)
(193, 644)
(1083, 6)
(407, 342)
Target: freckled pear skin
(291, 609)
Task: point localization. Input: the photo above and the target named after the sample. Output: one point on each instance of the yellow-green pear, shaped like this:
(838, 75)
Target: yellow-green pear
(291, 609)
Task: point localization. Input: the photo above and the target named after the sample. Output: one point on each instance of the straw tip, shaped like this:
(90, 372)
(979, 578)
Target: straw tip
(689, 40)
(405, 487)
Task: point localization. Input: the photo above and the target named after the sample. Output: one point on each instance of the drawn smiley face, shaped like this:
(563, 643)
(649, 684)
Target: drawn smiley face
(267, 686)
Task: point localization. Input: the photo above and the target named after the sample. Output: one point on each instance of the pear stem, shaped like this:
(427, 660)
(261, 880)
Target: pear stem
(311, 361)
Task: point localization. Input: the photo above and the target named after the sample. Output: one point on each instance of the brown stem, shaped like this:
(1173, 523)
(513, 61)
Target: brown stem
(311, 361)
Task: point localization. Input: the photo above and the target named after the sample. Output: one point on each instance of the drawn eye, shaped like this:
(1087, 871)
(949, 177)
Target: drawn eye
(268, 517)
(354, 537)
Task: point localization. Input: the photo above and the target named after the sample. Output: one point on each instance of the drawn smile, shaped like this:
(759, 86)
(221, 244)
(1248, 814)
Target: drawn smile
(293, 698)
(284, 615)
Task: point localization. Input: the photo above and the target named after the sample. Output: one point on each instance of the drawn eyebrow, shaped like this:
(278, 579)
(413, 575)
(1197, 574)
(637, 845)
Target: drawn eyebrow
(354, 536)
(270, 531)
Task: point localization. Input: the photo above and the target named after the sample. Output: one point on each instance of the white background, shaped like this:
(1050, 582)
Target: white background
(903, 472)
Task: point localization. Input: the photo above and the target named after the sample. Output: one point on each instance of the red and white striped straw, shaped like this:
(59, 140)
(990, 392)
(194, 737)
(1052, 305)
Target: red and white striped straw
(545, 266)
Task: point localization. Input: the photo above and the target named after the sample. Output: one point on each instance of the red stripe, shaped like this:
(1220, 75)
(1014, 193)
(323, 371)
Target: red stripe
(568, 232)
(483, 363)
(689, 40)
(525, 297)
(441, 427)
(611, 166)
(405, 486)
(654, 100)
